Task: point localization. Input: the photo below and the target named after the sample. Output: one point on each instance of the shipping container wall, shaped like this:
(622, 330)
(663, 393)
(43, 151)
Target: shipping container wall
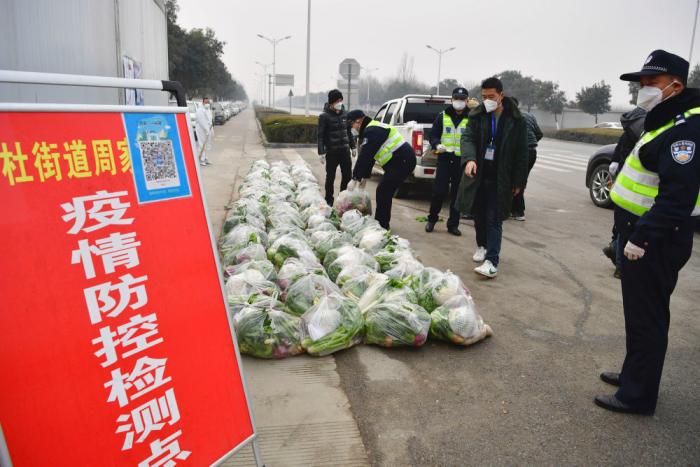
(81, 37)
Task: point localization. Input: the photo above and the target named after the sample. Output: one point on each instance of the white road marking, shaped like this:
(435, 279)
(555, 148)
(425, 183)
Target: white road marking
(292, 155)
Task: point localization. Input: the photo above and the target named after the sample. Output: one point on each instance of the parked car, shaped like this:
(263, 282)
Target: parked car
(219, 113)
(598, 178)
(614, 125)
(413, 116)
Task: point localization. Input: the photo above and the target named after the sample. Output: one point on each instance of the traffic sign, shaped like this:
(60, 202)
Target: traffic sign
(290, 93)
(349, 68)
(284, 80)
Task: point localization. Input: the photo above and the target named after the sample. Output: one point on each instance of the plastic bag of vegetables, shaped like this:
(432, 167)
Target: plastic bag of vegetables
(346, 256)
(306, 292)
(263, 266)
(333, 324)
(352, 221)
(245, 286)
(434, 288)
(324, 241)
(293, 269)
(458, 322)
(252, 252)
(356, 287)
(267, 332)
(393, 324)
(351, 272)
(406, 269)
(288, 246)
(242, 236)
(353, 199)
(371, 238)
(387, 290)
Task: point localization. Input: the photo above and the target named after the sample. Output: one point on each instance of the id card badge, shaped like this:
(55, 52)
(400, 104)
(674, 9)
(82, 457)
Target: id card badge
(490, 152)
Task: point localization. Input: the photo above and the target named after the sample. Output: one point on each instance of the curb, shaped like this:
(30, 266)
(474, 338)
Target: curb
(267, 144)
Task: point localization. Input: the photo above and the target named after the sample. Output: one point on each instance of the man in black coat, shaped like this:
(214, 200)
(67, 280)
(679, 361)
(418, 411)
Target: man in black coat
(335, 142)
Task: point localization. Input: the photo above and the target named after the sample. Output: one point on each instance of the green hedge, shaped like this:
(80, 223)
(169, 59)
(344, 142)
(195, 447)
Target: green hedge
(586, 135)
(284, 128)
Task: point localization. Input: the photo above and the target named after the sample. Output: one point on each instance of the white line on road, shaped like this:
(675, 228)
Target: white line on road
(564, 164)
(292, 155)
(546, 167)
(564, 156)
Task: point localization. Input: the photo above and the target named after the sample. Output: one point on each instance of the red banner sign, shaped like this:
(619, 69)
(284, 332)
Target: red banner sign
(115, 347)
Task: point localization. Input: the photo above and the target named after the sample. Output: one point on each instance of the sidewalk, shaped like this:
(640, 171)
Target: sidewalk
(302, 416)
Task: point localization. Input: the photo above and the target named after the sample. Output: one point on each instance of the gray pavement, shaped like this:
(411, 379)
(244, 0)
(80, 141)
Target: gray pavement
(525, 395)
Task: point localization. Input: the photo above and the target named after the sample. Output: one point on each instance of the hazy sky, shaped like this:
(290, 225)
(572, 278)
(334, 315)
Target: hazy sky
(575, 43)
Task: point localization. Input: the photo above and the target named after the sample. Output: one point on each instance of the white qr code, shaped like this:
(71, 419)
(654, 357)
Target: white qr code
(159, 166)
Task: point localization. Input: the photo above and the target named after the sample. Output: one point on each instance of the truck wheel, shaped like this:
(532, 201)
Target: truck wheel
(600, 184)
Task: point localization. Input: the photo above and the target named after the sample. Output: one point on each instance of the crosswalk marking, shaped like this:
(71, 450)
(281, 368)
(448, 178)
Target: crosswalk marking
(539, 166)
(568, 157)
(292, 155)
(562, 163)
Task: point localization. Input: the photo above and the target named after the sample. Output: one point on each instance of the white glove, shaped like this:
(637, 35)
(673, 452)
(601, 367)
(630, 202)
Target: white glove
(441, 148)
(351, 185)
(322, 158)
(612, 168)
(363, 182)
(353, 153)
(633, 252)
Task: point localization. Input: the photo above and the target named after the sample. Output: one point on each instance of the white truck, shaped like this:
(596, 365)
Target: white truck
(413, 116)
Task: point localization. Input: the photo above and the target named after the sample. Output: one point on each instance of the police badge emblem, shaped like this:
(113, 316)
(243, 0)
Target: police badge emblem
(683, 151)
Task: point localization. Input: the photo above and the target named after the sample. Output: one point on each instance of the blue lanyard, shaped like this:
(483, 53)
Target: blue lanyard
(493, 128)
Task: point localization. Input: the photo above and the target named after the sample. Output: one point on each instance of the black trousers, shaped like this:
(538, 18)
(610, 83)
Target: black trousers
(335, 158)
(395, 172)
(447, 177)
(518, 206)
(647, 285)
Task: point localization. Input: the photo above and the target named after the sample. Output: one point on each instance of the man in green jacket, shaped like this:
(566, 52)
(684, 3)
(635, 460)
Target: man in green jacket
(494, 154)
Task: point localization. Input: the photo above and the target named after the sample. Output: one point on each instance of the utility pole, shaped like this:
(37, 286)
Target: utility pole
(692, 40)
(349, 85)
(308, 56)
(440, 52)
(274, 43)
(264, 67)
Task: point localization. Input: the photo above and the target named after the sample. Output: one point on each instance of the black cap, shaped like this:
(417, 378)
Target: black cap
(334, 95)
(460, 93)
(660, 62)
(355, 114)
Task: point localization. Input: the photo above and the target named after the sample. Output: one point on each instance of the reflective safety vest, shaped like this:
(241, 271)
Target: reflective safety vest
(450, 135)
(392, 143)
(635, 187)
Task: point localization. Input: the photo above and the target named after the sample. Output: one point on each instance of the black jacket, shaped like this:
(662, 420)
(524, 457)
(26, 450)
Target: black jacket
(534, 133)
(333, 131)
(632, 127)
(679, 182)
(436, 130)
(510, 163)
(372, 139)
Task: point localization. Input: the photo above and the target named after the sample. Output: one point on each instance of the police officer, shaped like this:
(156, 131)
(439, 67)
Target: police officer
(384, 145)
(444, 138)
(656, 197)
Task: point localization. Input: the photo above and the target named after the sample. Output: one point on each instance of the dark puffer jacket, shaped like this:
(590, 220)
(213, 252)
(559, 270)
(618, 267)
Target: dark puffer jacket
(333, 131)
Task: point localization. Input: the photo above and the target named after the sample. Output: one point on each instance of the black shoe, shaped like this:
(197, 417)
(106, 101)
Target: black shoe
(429, 226)
(609, 251)
(618, 273)
(611, 378)
(454, 231)
(613, 404)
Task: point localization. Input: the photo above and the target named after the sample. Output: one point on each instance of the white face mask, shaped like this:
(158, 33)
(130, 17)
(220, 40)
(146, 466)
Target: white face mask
(338, 105)
(459, 105)
(490, 105)
(355, 132)
(651, 96)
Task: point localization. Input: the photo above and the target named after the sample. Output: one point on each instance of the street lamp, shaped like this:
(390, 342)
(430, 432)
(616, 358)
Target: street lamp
(274, 43)
(308, 56)
(264, 67)
(369, 75)
(439, 52)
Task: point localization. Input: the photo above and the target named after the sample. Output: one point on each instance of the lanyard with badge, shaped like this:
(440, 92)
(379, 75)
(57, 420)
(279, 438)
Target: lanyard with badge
(491, 148)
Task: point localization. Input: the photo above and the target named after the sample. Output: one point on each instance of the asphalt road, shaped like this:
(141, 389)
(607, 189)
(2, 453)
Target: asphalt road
(525, 395)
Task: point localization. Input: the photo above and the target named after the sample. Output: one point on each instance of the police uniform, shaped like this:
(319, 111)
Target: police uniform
(384, 145)
(656, 198)
(447, 131)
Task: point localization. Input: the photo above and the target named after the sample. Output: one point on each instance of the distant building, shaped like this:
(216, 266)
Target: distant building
(118, 38)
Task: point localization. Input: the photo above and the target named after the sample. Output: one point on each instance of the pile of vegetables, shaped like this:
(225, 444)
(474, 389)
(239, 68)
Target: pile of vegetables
(302, 276)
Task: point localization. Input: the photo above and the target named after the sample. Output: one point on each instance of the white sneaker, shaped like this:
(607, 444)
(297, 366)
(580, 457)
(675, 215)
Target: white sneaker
(480, 255)
(487, 269)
